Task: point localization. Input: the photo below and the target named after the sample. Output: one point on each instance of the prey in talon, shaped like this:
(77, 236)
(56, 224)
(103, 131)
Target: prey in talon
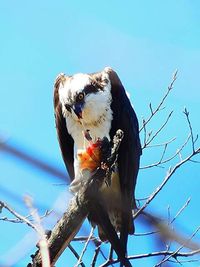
(90, 159)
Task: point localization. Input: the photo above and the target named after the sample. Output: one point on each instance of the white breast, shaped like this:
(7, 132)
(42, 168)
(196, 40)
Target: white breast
(96, 113)
(98, 129)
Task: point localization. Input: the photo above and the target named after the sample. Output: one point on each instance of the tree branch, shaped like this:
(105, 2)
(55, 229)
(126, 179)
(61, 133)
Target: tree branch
(171, 171)
(18, 216)
(86, 201)
(156, 254)
(160, 105)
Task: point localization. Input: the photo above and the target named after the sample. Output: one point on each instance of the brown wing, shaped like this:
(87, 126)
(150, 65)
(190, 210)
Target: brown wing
(124, 118)
(65, 140)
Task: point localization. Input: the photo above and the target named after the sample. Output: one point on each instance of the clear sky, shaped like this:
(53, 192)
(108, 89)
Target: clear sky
(144, 41)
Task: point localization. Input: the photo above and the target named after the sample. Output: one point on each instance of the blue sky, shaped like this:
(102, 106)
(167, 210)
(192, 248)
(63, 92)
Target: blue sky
(144, 41)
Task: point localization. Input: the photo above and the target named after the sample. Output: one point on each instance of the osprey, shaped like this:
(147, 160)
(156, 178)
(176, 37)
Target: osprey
(98, 103)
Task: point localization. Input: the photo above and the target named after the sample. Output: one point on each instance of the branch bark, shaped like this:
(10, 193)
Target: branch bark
(87, 200)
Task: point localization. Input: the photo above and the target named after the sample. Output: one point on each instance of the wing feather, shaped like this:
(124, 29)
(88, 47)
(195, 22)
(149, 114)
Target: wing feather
(129, 152)
(65, 140)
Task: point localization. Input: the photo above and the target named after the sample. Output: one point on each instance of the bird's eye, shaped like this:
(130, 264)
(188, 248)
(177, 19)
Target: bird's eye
(80, 97)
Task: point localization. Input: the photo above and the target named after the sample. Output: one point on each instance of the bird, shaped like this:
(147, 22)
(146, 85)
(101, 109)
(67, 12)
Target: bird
(99, 104)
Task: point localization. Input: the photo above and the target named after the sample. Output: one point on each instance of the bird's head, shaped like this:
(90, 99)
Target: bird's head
(85, 96)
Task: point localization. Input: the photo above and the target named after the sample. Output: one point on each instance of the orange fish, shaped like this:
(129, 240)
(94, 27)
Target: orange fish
(90, 158)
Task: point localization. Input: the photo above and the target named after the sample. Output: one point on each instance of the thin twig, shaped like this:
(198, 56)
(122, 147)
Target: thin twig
(85, 247)
(17, 220)
(168, 213)
(194, 161)
(184, 261)
(96, 253)
(149, 140)
(181, 210)
(171, 171)
(178, 250)
(102, 254)
(162, 144)
(156, 164)
(145, 131)
(43, 243)
(75, 254)
(156, 254)
(190, 127)
(96, 240)
(153, 112)
(110, 253)
(18, 216)
(145, 234)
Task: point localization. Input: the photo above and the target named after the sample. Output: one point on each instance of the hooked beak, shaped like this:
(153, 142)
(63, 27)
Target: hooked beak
(77, 108)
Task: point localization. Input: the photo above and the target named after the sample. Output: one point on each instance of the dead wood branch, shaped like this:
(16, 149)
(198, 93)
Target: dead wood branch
(86, 201)
(43, 245)
(156, 254)
(171, 171)
(160, 105)
(19, 217)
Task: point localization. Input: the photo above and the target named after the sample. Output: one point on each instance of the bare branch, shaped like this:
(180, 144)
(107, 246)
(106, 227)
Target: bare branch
(147, 233)
(18, 216)
(75, 254)
(171, 171)
(17, 220)
(150, 139)
(87, 200)
(167, 232)
(161, 162)
(94, 239)
(151, 109)
(65, 230)
(85, 247)
(181, 210)
(160, 105)
(162, 144)
(145, 131)
(175, 254)
(96, 253)
(43, 245)
(186, 112)
(194, 161)
(110, 253)
(156, 254)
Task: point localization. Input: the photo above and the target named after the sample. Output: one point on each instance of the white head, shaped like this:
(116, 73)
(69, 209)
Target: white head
(85, 97)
